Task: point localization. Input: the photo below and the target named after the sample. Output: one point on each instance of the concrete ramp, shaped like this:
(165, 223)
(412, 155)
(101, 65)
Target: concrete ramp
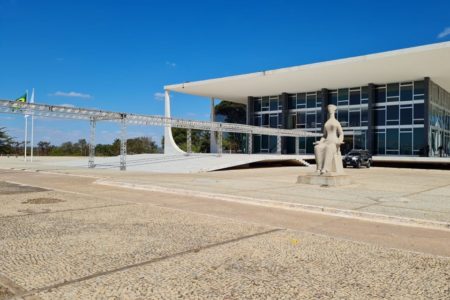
(179, 163)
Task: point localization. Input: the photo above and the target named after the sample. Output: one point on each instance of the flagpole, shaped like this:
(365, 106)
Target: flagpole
(26, 132)
(32, 127)
(26, 138)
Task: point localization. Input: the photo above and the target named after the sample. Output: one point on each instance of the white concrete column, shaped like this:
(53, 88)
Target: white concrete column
(170, 147)
(213, 142)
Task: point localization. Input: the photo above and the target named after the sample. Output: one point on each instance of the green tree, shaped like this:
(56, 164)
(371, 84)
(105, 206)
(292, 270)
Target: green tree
(83, 145)
(200, 139)
(230, 112)
(6, 142)
(44, 148)
(141, 145)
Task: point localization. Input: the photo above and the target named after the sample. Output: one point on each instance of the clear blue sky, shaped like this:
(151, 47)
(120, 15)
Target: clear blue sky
(117, 54)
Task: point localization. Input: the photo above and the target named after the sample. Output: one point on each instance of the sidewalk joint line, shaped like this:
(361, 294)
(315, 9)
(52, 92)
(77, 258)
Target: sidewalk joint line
(147, 262)
(65, 210)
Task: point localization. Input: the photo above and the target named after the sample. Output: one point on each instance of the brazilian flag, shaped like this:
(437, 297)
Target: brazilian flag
(18, 105)
(22, 99)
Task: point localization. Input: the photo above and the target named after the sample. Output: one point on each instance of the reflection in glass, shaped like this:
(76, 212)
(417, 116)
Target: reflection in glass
(342, 94)
(392, 90)
(419, 140)
(392, 139)
(272, 144)
(360, 140)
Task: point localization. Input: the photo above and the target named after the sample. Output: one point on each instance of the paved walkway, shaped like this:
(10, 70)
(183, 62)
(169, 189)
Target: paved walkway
(64, 237)
(413, 196)
(420, 197)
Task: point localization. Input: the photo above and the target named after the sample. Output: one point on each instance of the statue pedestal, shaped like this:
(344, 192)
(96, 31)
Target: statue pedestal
(327, 179)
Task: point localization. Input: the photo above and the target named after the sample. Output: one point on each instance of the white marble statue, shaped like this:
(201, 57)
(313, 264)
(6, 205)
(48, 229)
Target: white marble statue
(327, 150)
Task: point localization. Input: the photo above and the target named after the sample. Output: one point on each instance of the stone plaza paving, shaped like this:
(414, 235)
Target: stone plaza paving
(64, 237)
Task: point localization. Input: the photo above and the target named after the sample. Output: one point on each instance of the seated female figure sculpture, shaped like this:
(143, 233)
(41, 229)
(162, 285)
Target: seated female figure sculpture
(327, 150)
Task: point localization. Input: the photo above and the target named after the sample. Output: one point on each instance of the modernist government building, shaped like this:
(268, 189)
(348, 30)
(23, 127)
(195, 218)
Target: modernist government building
(390, 103)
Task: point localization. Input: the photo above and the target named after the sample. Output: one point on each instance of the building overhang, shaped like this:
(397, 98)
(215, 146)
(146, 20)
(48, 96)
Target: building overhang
(393, 66)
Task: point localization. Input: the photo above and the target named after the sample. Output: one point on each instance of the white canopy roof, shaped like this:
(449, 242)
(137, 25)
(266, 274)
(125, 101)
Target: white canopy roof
(393, 66)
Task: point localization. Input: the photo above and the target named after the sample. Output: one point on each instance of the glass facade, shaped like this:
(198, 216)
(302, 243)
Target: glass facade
(398, 117)
(267, 113)
(439, 121)
(305, 112)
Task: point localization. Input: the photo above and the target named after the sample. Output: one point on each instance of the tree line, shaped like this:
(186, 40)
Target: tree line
(138, 145)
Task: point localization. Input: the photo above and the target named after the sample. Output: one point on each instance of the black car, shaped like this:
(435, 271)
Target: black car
(357, 158)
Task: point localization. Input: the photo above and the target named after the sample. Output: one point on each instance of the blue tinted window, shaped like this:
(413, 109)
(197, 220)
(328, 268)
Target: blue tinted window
(364, 116)
(273, 104)
(301, 119)
(265, 120)
(405, 143)
(380, 95)
(355, 118)
(257, 105)
(380, 118)
(292, 102)
(392, 112)
(391, 139)
(392, 90)
(355, 97)
(406, 93)
(343, 117)
(419, 111)
(319, 99)
(342, 94)
(406, 116)
(311, 120)
(419, 139)
(273, 121)
(419, 87)
(265, 104)
(381, 143)
(264, 142)
(319, 117)
(333, 98)
(311, 101)
(301, 100)
(364, 92)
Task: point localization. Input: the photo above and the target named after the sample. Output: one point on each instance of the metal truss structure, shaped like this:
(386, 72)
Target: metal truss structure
(125, 119)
